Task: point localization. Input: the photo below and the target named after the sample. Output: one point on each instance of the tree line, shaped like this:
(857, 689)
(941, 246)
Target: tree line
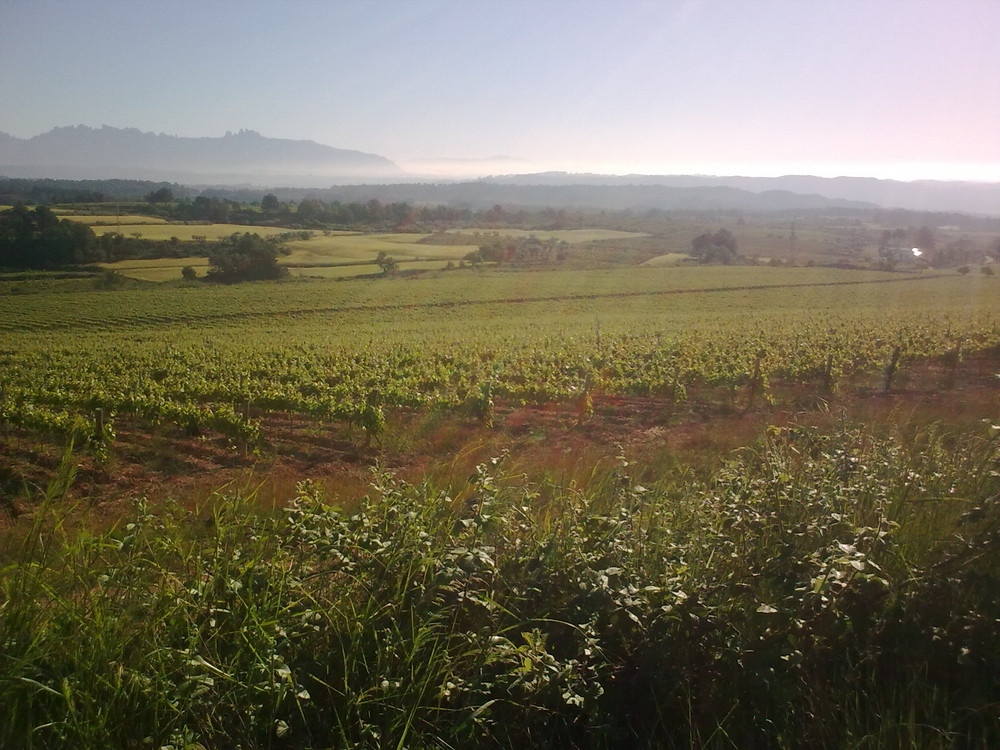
(38, 239)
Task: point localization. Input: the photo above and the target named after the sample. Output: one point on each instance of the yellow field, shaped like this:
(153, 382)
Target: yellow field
(113, 220)
(670, 259)
(158, 269)
(186, 232)
(571, 236)
(324, 250)
(321, 254)
(169, 269)
(346, 248)
(346, 272)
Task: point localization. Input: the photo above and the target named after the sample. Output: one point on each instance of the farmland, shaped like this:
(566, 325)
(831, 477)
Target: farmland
(337, 242)
(114, 222)
(329, 254)
(225, 360)
(183, 232)
(659, 506)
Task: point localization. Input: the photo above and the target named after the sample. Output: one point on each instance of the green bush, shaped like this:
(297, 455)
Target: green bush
(822, 591)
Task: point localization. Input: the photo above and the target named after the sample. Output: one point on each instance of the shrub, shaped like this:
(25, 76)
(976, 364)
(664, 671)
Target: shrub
(244, 257)
(818, 592)
(110, 279)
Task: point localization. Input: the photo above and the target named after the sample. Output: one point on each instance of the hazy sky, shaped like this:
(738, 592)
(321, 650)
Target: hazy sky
(888, 88)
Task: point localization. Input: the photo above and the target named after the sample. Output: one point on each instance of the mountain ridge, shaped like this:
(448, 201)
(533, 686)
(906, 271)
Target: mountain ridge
(919, 195)
(82, 152)
(248, 158)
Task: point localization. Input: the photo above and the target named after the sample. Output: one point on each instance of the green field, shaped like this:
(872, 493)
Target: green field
(651, 298)
(532, 335)
(667, 507)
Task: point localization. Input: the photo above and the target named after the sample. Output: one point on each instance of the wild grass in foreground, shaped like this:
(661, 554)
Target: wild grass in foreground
(824, 590)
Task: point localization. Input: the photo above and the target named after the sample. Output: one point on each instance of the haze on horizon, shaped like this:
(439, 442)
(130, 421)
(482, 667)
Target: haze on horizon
(902, 89)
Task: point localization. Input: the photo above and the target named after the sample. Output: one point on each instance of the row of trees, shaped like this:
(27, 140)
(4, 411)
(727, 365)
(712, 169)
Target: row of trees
(309, 213)
(38, 239)
(893, 246)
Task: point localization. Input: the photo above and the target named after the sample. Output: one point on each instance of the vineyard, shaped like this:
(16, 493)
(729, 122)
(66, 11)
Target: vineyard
(818, 568)
(219, 360)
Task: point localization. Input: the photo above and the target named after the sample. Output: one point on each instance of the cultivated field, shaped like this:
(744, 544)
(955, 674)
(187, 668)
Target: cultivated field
(324, 255)
(572, 236)
(220, 356)
(634, 507)
(618, 299)
(183, 232)
(327, 254)
(113, 222)
(346, 248)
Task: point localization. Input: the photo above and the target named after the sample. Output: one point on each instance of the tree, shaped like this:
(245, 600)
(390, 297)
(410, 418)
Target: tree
(269, 203)
(310, 211)
(244, 257)
(884, 243)
(110, 279)
(39, 239)
(163, 195)
(925, 239)
(720, 247)
(188, 273)
(387, 263)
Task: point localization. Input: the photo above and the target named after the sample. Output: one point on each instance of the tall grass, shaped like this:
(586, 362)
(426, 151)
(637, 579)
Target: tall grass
(827, 590)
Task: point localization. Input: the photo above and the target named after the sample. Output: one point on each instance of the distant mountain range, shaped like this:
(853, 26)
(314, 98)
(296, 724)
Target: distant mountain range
(921, 195)
(248, 159)
(245, 157)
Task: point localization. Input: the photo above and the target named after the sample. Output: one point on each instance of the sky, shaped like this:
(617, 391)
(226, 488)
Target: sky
(904, 89)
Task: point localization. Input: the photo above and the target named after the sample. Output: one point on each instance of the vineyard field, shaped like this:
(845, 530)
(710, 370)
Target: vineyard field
(218, 358)
(540, 497)
(652, 289)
